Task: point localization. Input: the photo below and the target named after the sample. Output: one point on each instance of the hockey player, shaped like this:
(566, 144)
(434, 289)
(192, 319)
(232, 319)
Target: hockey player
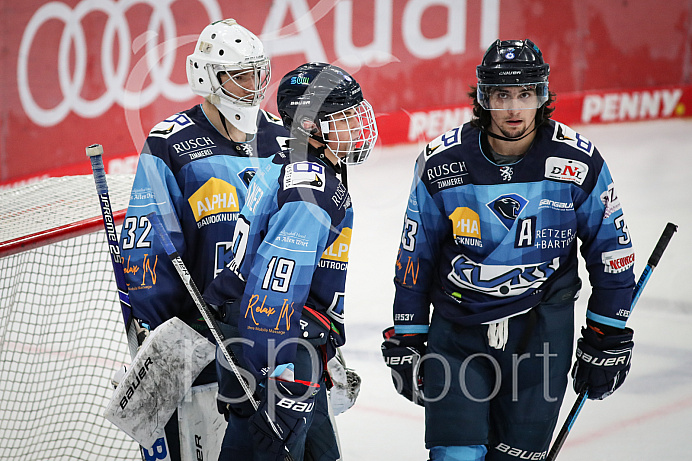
(490, 240)
(194, 170)
(282, 295)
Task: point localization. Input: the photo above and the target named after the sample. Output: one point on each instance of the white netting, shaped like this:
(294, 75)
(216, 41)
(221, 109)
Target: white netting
(61, 330)
(56, 202)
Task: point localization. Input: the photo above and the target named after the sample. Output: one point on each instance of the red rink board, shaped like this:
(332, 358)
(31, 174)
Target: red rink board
(402, 127)
(79, 72)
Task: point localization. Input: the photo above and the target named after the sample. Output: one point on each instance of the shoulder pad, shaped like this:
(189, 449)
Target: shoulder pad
(442, 142)
(171, 125)
(304, 174)
(564, 134)
(268, 116)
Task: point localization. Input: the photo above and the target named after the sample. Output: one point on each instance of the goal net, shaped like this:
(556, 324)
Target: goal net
(61, 328)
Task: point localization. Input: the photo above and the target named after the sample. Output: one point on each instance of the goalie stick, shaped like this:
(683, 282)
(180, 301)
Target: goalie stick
(583, 395)
(180, 267)
(95, 153)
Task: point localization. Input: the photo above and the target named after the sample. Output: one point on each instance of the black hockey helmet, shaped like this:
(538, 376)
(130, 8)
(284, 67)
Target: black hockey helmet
(311, 95)
(512, 63)
(316, 88)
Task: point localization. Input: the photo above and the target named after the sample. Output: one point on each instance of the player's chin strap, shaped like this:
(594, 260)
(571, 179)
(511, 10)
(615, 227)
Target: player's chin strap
(322, 149)
(223, 122)
(503, 138)
(340, 166)
(344, 176)
(299, 145)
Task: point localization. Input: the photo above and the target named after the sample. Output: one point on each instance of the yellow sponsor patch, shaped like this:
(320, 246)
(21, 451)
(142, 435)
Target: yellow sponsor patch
(338, 251)
(465, 223)
(215, 196)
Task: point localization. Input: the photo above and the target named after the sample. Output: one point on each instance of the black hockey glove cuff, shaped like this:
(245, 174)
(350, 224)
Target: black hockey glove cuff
(402, 353)
(603, 360)
(281, 420)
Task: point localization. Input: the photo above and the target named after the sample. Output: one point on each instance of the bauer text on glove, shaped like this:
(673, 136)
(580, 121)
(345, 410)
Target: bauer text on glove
(603, 360)
(403, 353)
(283, 415)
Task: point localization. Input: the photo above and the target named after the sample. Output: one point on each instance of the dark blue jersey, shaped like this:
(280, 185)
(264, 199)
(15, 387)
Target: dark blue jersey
(291, 248)
(197, 181)
(483, 241)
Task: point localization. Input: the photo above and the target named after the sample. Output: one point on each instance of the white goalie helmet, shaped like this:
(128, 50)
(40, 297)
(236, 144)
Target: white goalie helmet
(230, 69)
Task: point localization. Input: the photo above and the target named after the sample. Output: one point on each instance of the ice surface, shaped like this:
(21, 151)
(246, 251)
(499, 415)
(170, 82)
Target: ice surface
(650, 417)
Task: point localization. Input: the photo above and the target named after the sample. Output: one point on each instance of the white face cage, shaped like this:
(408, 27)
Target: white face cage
(512, 97)
(244, 84)
(351, 133)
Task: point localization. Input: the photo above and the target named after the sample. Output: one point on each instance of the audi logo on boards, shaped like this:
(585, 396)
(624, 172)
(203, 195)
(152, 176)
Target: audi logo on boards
(158, 61)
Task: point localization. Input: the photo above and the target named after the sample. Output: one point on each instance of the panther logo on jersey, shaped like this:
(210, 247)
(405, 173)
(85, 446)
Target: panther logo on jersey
(246, 175)
(507, 208)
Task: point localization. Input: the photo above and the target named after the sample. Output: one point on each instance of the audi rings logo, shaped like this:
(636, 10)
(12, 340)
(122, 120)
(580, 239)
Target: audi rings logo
(158, 61)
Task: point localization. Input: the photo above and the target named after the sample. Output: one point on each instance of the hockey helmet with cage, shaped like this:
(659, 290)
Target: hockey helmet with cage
(513, 63)
(313, 96)
(226, 51)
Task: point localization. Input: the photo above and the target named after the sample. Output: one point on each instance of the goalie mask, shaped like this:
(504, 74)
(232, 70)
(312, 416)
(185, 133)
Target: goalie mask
(229, 69)
(324, 102)
(512, 75)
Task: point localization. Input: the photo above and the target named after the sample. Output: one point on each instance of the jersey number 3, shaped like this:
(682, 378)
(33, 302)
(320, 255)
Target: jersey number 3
(408, 238)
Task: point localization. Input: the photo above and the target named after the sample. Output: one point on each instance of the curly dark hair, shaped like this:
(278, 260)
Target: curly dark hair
(481, 117)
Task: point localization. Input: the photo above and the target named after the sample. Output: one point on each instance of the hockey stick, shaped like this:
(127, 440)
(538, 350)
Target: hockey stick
(180, 267)
(651, 264)
(94, 152)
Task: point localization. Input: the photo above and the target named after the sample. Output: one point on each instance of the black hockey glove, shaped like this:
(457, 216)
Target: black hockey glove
(277, 427)
(402, 353)
(603, 360)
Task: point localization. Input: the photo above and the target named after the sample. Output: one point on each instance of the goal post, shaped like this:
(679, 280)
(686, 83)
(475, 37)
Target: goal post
(61, 330)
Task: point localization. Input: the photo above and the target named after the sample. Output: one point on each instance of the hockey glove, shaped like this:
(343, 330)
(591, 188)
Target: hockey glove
(276, 425)
(603, 360)
(402, 353)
